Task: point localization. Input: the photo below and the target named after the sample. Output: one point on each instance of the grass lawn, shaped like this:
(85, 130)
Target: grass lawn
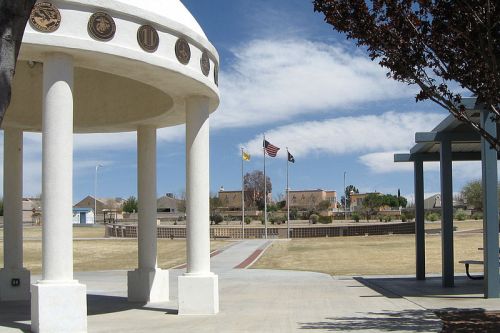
(391, 254)
(103, 254)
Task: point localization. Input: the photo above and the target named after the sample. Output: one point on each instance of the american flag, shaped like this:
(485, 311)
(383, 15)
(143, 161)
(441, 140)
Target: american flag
(270, 149)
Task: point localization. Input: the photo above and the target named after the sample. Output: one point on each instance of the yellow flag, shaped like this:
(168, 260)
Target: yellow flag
(246, 156)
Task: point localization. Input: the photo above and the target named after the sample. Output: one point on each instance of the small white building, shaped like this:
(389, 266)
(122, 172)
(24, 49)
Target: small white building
(83, 216)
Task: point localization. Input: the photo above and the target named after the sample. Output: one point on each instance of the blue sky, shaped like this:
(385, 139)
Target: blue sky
(285, 73)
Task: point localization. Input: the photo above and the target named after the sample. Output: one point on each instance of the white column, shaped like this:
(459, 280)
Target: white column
(14, 278)
(198, 288)
(148, 283)
(58, 302)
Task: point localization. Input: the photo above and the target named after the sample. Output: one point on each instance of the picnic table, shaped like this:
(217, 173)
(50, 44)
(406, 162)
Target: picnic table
(467, 264)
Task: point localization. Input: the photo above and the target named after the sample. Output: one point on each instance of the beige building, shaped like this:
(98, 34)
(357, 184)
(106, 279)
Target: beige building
(168, 204)
(309, 199)
(102, 204)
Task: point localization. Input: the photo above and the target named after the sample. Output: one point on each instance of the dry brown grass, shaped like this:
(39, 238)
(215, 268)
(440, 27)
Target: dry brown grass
(103, 254)
(371, 255)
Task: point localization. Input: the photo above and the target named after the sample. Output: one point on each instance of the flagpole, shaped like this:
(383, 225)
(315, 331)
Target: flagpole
(265, 190)
(242, 198)
(287, 196)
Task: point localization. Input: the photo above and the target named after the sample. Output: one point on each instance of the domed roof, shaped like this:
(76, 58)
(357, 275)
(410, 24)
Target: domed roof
(170, 9)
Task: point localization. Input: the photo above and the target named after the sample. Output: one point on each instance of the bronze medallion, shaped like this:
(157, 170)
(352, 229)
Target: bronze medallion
(182, 51)
(205, 63)
(102, 26)
(216, 74)
(45, 17)
(148, 38)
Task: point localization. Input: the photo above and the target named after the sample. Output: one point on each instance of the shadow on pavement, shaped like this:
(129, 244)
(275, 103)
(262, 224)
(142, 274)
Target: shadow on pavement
(13, 313)
(100, 304)
(383, 321)
(430, 288)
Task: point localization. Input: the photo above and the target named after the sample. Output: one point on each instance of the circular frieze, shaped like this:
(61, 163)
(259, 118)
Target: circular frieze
(148, 38)
(205, 63)
(45, 17)
(216, 74)
(182, 51)
(102, 26)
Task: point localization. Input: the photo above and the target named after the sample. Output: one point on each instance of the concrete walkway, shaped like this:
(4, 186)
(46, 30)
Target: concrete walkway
(257, 301)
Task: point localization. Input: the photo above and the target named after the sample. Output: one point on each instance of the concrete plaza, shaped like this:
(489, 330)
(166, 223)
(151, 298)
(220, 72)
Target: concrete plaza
(272, 301)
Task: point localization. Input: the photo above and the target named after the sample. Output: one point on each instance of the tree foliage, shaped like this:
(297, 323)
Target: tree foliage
(348, 190)
(434, 44)
(472, 192)
(130, 205)
(324, 205)
(254, 188)
(13, 17)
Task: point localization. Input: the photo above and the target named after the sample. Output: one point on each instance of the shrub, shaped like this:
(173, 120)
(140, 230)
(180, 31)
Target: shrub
(432, 217)
(325, 219)
(313, 218)
(294, 213)
(355, 217)
(460, 215)
(387, 218)
(217, 218)
(403, 218)
(477, 216)
(408, 215)
(247, 220)
(380, 218)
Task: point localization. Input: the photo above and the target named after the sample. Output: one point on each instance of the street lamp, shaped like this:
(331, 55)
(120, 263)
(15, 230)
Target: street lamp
(95, 192)
(345, 199)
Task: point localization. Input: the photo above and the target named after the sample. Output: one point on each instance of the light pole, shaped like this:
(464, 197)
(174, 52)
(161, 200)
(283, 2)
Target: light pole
(345, 200)
(95, 192)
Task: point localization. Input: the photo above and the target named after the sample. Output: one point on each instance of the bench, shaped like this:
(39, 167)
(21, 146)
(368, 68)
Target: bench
(472, 262)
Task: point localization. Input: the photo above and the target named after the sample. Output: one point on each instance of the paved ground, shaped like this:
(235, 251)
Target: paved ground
(270, 301)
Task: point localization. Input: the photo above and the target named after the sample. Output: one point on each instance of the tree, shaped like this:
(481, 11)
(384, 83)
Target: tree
(472, 192)
(181, 204)
(215, 203)
(433, 44)
(371, 204)
(324, 205)
(130, 205)
(1, 206)
(254, 188)
(14, 15)
(348, 190)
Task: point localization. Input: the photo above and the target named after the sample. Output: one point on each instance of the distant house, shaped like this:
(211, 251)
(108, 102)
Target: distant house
(432, 202)
(231, 200)
(308, 199)
(168, 203)
(83, 216)
(357, 200)
(102, 204)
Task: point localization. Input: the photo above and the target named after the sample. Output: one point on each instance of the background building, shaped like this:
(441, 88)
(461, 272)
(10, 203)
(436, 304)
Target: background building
(310, 199)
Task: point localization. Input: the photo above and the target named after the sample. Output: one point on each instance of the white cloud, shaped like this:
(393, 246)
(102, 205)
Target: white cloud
(390, 131)
(273, 79)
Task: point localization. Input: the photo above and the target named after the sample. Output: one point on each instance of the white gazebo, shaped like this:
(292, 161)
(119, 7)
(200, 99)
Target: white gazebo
(90, 66)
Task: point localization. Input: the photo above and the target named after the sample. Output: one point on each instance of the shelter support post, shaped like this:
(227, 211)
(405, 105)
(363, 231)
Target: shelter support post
(58, 302)
(447, 255)
(490, 209)
(198, 287)
(419, 219)
(14, 278)
(147, 283)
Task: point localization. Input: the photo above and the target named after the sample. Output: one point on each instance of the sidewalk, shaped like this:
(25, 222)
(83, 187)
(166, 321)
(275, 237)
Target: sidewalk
(250, 301)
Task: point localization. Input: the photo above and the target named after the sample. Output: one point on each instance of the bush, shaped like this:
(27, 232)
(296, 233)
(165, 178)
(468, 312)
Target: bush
(325, 219)
(403, 218)
(387, 218)
(477, 216)
(217, 218)
(460, 215)
(313, 218)
(294, 213)
(408, 215)
(380, 218)
(247, 220)
(355, 217)
(432, 217)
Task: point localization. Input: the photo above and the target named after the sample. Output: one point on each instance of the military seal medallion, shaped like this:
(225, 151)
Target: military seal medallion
(148, 38)
(182, 51)
(45, 17)
(205, 63)
(102, 26)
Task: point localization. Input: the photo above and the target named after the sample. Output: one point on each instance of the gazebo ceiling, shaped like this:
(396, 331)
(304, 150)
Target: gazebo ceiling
(135, 63)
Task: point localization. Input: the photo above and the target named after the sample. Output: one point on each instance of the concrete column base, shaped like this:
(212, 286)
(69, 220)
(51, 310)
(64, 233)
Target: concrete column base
(148, 286)
(198, 295)
(10, 290)
(58, 306)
